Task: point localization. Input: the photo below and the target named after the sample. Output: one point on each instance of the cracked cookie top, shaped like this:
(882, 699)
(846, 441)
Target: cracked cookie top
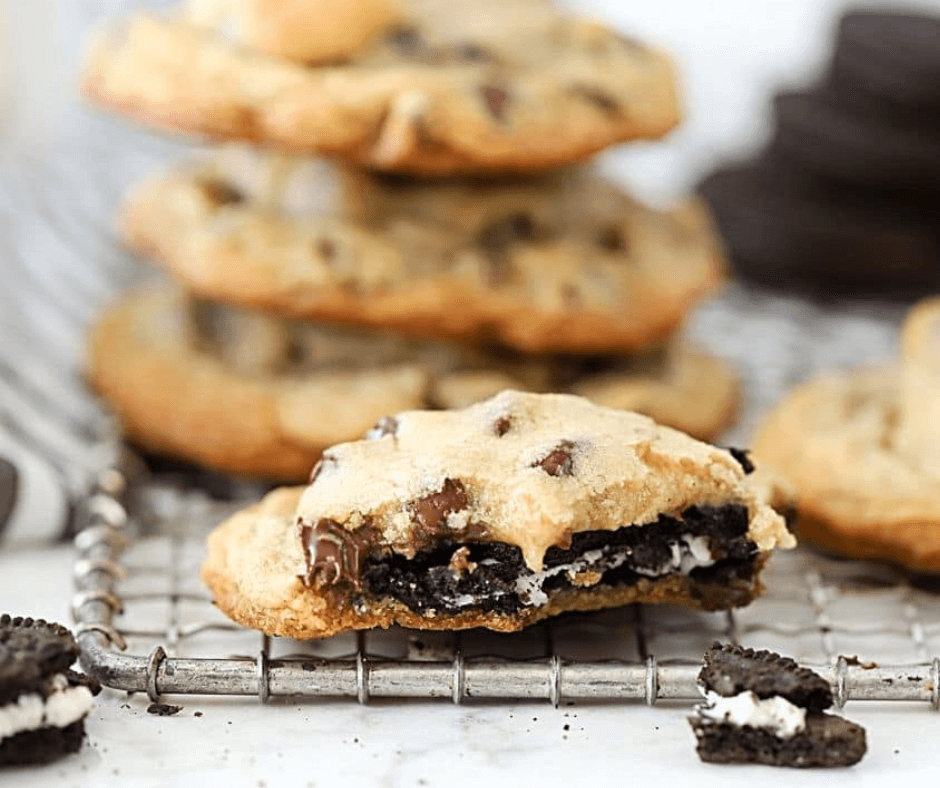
(529, 470)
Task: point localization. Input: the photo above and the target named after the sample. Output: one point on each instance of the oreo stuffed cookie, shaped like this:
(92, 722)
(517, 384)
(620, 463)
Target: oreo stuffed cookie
(559, 263)
(763, 708)
(43, 703)
(498, 515)
(428, 87)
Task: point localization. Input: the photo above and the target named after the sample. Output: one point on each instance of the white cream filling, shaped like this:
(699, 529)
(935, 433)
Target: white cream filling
(688, 553)
(30, 712)
(775, 714)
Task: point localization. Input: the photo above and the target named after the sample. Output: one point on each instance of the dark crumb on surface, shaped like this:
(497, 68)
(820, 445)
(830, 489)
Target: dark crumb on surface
(163, 709)
(566, 727)
(197, 713)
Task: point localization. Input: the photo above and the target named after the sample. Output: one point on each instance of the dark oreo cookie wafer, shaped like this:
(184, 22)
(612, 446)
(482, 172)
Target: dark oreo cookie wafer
(894, 57)
(858, 143)
(785, 229)
(42, 702)
(763, 708)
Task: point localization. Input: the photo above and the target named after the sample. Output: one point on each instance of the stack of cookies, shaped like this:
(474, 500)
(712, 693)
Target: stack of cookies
(846, 196)
(397, 214)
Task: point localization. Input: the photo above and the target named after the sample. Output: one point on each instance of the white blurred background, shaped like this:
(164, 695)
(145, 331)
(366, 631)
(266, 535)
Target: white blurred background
(732, 56)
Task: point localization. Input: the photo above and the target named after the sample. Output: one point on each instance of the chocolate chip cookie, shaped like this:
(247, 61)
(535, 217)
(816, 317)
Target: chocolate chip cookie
(860, 451)
(255, 394)
(497, 515)
(562, 263)
(480, 87)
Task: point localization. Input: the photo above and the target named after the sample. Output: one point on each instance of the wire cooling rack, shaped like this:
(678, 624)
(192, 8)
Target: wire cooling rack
(146, 625)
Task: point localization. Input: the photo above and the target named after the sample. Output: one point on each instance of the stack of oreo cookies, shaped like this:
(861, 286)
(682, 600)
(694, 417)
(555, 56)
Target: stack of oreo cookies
(398, 215)
(845, 199)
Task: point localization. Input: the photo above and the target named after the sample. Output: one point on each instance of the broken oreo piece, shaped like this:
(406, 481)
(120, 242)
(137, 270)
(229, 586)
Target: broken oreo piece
(43, 703)
(761, 707)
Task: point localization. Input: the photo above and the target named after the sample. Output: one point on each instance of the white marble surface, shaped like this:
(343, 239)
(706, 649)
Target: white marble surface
(731, 53)
(238, 742)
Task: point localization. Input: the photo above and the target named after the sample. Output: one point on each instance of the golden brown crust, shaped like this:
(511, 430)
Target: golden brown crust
(858, 491)
(175, 400)
(400, 115)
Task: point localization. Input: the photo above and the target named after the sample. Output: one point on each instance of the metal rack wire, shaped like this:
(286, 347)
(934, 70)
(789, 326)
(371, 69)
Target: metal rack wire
(144, 625)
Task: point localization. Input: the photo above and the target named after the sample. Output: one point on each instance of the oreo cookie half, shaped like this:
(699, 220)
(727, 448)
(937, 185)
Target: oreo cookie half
(763, 708)
(858, 144)
(785, 229)
(43, 703)
(894, 57)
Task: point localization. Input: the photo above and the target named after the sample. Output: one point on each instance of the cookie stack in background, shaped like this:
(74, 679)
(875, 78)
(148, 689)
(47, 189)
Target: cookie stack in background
(398, 215)
(845, 198)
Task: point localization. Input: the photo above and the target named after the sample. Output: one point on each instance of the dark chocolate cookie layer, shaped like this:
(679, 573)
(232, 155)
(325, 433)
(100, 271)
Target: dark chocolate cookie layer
(730, 670)
(492, 577)
(42, 745)
(827, 741)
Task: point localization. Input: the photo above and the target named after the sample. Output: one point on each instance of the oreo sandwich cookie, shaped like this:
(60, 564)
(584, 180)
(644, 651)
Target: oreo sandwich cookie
(43, 703)
(859, 143)
(763, 708)
(787, 230)
(891, 56)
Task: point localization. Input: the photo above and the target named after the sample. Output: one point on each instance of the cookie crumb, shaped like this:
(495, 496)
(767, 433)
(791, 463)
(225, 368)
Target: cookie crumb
(163, 709)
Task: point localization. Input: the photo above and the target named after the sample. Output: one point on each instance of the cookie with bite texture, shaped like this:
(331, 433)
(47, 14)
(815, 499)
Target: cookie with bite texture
(560, 263)
(43, 703)
(859, 448)
(255, 394)
(497, 515)
(431, 87)
(763, 708)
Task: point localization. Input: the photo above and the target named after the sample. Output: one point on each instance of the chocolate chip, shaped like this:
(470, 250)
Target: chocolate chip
(431, 512)
(221, 193)
(612, 239)
(502, 425)
(334, 554)
(570, 296)
(742, 456)
(409, 42)
(387, 425)
(495, 99)
(507, 230)
(558, 462)
(325, 248)
(473, 53)
(598, 98)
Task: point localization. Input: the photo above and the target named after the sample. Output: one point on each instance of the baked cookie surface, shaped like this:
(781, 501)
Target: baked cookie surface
(563, 263)
(496, 515)
(474, 87)
(254, 394)
(859, 449)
